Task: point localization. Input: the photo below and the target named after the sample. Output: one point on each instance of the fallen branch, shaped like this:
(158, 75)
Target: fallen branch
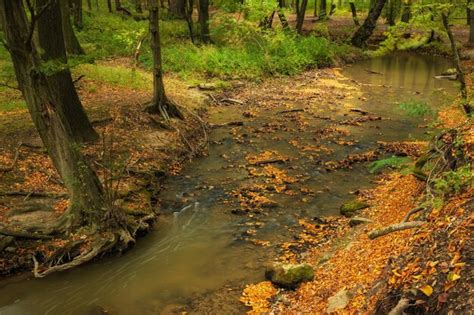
(79, 78)
(232, 101)
(229, 124)
(291, 111)
(412, 212)
(394, 228)
(399, 309)
(32, 194)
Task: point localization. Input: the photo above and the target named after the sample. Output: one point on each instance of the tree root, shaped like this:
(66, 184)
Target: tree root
(394, 228)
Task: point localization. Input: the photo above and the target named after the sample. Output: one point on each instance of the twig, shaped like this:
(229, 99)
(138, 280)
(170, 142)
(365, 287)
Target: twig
(412, 212)
(394, 228)
(79, 78)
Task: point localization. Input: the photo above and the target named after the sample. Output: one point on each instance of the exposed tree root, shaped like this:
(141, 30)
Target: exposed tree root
(394, 228)
(167, 110)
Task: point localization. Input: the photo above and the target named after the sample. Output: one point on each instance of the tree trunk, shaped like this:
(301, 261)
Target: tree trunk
(204, 21)
(457, 63)
(89, 5)
(354, 14)
(77, 10)
(109, 5)
(391, 13)
(468, 12)
(365, 31)
(138, 6)
(323, 10)
(118, 5)
(315, 9)
(471, 27)
(160, 103)
(46, 104)
(177, 8)
(70, 40)
(406, 15)
(300, 15)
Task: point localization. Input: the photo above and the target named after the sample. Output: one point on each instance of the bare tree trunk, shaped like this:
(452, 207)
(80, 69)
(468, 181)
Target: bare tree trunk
(301, 11)
(315, 9)
(471, 27)
(204, 21)
(457, 63)
(118, 5)
(391, 13)
(177, 8)
(70, 40)
(323, 10)
(109, 5)
(354, 14)
(160, 103)
(89, 5)
(77, 10)
(189, 18)
(365, 31)
(46, 104)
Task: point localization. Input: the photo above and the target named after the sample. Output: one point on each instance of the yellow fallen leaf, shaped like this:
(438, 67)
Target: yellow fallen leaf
(453, 277)
(427, 290)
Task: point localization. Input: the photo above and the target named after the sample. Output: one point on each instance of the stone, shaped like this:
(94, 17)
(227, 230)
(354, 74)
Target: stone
(359, 220)
(338, 301)
(207, 86)
(349, 208)
(289, 275)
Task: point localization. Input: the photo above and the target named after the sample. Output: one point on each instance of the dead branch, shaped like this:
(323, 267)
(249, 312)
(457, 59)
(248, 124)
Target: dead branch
(291, 111)
(79, 78)
(399, 309)
(229, 124)
(412, 212)
(232, 101)
(394, 228)
(32, 194)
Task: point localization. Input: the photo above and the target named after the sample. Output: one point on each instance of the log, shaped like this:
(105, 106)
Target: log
(394, 228)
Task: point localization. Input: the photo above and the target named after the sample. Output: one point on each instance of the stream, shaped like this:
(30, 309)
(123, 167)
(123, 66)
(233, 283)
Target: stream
(220, 209)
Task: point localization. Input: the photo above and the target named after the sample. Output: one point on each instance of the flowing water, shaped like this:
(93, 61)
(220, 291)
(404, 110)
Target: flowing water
(199, 257)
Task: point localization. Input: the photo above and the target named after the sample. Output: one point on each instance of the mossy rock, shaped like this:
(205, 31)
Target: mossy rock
(289, 275)
(349, 208)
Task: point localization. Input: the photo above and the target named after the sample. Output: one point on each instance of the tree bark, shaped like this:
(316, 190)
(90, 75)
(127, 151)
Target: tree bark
(204, 21)
(59, 76)
(300, 15)
(457, 63)
(160, 103)
(70, 40)
(118, 5)
(46, 104)
(365, 31)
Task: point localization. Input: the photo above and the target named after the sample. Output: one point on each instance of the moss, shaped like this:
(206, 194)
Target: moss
(349, 208)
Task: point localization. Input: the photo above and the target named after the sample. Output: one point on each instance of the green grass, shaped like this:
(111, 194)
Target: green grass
(115, 75)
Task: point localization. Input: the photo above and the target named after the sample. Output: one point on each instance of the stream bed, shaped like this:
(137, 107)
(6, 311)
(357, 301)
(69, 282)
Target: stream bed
(225, 214)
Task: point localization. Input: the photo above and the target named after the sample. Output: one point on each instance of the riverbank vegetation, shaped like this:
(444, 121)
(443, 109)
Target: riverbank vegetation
(100, 101)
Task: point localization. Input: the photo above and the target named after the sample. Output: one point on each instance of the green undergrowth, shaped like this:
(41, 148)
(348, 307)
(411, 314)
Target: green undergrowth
(401, 163)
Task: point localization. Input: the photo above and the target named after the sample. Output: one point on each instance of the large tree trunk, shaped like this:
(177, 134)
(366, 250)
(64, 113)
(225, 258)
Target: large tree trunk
(365, 31)
(301, 11)
(71, 109)
(160, 103)
(204, 21)
(72, 44)
(47, 104)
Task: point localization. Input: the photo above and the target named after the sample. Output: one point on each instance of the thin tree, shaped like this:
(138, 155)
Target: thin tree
(406, 13)
(323, 10)
(354, 13)
(457, 63)
(160, 103)
(109, 5)
(73, 46)
(77, 13)
(300, 14)
(189, 18)
(88, 210)
(204, 21)
(365, 31)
